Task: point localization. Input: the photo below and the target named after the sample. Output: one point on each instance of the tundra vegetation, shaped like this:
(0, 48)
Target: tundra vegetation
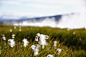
(29, 41)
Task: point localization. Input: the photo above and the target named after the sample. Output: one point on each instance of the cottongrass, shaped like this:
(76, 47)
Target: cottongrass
(55, 44)
(13, 35)
(58, 51)
(41, 38)
(4, 38)
(50, 55)
(34, 49)
(73, 32)
(20, 30)
(25, 42)
(10, 30)
(11, 42)
(14, 27)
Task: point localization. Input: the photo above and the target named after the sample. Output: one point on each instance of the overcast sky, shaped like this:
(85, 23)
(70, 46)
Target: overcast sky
(41, 7)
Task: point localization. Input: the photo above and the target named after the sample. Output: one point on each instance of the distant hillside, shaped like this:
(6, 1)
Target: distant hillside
(36, 19)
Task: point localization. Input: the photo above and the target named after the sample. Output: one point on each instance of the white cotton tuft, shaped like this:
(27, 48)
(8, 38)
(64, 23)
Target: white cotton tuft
(55, 43)
(35, 48)
(50, 55)
(11, 42)
(19, 29)
(10, 30)
(73, 32)
(47, 37)
(35, 53)
(41, 38)
(14, 27)
(58, 51)
(38, 34)
(13, 35)
(4, 38)
(25, 42)
(36, 38)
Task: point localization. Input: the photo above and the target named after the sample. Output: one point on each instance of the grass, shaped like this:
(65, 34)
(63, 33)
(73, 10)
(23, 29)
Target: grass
(72, 45)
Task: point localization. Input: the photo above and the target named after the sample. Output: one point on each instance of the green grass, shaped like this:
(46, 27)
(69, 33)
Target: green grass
(72, 45)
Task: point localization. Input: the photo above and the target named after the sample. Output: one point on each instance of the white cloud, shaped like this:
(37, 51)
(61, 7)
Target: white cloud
(43, 6)
(10, 17)
(74, 2)
(72, 21)
(28, 14)
(10, 2)
(77, 20)
(46, 22)
(56, 4)
(17, 15)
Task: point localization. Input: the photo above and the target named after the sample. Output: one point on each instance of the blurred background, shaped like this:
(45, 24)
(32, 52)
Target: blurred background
(52, 13)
